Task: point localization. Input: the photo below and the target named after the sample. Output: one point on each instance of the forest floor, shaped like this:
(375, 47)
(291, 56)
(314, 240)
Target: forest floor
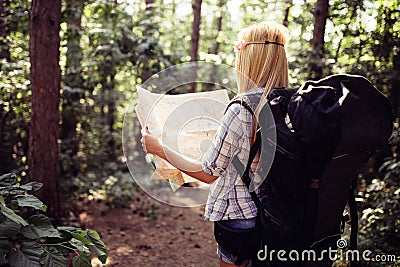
(177, 237)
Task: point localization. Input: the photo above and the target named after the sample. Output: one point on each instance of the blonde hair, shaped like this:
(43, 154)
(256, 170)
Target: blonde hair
(262, 64)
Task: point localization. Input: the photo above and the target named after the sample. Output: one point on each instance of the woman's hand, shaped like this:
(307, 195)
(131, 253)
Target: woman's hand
(151, 143)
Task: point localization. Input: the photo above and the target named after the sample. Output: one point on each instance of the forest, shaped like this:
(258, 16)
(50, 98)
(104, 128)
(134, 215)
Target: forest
(69, 70)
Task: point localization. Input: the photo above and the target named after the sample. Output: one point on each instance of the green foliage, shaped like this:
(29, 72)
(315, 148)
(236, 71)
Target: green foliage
(379, 222)
(120, 44)
(119, 189)
(32, 240)
(14, 87)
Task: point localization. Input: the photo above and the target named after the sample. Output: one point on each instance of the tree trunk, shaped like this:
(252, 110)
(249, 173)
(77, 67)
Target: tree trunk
(74, 11)
(4, 29)
(6, 161)
(73, 81)
(150, 5)
(215, 49)
(394, 91)
(111, 115)
(321, 14)
(289, 4)
(111, 93)
(221, 4)
(45, 76)
(196, 6)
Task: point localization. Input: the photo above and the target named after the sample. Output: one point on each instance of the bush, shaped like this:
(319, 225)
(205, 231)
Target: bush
(32, 240)
(379, 222)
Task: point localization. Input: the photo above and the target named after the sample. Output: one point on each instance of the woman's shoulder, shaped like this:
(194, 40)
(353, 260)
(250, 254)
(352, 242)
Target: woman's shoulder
(247, 101)
(250, 96)
(258, 91)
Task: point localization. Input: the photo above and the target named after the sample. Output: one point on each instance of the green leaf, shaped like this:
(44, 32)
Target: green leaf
(8, 179)
(53, 258)
(78, 245)
(31, 201)
(68, 229)
(3, 254)
(9, 213)
(9, 229)
(28, 255)
(82, 260)
(5, 245)
(16, 190)
(39, 226)
(76, 233)
(98, 247)
(32, 186)
(83, 238)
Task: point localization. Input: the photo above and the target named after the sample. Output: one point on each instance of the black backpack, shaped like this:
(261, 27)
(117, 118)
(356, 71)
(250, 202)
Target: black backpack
(336, 125)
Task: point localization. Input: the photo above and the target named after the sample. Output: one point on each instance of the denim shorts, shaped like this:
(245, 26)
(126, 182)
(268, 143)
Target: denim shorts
(226, 256)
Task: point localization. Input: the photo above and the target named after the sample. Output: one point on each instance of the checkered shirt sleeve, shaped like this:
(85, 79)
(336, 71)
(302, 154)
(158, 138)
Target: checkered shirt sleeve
(229, 198)
(227, 141)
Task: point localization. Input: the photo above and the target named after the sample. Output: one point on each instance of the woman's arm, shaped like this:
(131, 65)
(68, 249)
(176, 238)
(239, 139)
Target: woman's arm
(153, 145)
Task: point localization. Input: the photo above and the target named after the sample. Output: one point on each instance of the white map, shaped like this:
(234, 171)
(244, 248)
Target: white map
(186, 123)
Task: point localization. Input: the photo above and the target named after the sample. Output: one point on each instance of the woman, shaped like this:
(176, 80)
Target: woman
(262, 64)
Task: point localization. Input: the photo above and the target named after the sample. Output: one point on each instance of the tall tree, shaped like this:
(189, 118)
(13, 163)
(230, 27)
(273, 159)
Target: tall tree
(4, 29)
(45, 76)
(5, 149)
(194, 51)
(109, 87)
(221, 13)
(73, 84)
(321, 14)
(150, 5)
(394, 94)
(218, 21)
(386, 52)
(106, 59)
(14, 88)
(288, 5)
(196, 6)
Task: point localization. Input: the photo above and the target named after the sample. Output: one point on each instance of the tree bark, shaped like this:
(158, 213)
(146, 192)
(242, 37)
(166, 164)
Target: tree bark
(111, 94)
(196, 6)
(221, 4)
(111, 115)
(6, 161)
(321, 14)
(150, 5)
(394, 91)
(74, 11)
(289, 4)
(74, 81)
(4, 29)
(45, 76)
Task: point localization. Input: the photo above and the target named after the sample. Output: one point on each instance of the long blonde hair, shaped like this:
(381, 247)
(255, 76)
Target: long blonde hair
(262, 64)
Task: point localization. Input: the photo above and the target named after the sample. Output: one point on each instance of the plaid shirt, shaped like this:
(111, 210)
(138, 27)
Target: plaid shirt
(229, 198)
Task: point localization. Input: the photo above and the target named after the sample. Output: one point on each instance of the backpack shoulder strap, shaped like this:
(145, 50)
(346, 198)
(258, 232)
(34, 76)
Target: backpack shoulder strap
(244, 171)
(241, 102)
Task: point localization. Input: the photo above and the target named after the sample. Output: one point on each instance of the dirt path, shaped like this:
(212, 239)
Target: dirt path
(178, 237)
